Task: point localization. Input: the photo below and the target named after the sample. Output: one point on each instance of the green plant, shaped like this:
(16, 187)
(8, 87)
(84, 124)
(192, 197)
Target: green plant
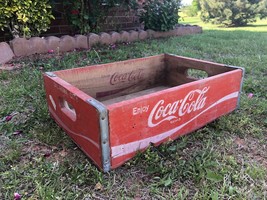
(195, 5)
(232, 13)
(85, 15)
(25, 18)
(160, 15)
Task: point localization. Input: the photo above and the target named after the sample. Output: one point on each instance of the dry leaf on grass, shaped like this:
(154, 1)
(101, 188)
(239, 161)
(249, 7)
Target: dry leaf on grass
(98, 186)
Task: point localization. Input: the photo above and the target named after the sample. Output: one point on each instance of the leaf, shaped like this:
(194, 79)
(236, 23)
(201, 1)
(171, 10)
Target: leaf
(86, 17)
(214, 195)
(172, 148)
(231, 190)
(98, 186)
(214, 177)
(167, 182)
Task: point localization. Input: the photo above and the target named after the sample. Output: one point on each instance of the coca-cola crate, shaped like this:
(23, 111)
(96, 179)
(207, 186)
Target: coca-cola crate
(113, 110)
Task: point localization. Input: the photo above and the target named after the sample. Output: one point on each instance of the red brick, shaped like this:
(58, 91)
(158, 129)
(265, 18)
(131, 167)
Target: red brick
(37, 45)
(124, 36)
(115, 37)
(54, 29)
(65, 29)
(67, 43)
(151, 33)
(105, 38)
(20, 46)
(52, 43)
(81, 42)
(6, 53)
(133, 36)
(93, 39)
(143, 35)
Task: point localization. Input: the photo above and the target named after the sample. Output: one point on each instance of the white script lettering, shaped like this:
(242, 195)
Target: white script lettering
(193, 101)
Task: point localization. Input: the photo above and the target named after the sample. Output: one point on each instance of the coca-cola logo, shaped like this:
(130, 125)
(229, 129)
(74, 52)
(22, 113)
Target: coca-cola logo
(193, 101)
(132, 76)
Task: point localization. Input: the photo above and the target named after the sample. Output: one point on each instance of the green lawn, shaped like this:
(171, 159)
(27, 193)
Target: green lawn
(258, 26)
(227, 159)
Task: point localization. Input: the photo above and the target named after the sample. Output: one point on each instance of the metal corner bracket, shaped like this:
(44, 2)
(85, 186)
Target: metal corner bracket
(51, 74)
(104, 132)
(241, 85)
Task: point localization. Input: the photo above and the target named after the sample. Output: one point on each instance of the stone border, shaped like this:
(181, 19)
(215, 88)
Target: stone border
(26, 47)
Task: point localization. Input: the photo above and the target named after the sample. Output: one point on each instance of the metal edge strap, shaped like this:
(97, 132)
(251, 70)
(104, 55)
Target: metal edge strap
(104, 132)
(241, 84)
(51, 74)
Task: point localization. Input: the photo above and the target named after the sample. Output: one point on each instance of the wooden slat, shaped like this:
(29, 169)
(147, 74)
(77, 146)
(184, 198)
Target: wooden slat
(134, 95)
(111, 80)
(181, 64)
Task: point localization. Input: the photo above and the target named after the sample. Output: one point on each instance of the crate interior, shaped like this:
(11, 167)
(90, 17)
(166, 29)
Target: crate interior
(114, 82)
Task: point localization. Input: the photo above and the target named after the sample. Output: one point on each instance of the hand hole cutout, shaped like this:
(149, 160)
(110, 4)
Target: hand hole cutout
(196, 74)
(68, 109)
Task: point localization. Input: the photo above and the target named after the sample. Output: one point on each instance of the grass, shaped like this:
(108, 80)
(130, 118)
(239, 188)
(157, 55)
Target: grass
(225, 160)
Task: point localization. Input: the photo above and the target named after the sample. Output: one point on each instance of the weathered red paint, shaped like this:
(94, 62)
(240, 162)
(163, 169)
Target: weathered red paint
(84, 128)
(216, 98)
(179, 106)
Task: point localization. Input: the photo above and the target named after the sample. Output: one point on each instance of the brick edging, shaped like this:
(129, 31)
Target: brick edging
(26, 47)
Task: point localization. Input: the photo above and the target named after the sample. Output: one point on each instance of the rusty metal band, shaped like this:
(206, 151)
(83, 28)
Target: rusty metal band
(104, 132)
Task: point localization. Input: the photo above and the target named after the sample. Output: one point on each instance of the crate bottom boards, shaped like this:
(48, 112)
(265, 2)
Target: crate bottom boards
(134, 95)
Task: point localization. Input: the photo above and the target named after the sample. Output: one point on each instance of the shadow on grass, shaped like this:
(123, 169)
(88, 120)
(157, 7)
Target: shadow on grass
(256, 25)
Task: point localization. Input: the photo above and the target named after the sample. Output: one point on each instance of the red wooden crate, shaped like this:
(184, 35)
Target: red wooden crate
(113, 110)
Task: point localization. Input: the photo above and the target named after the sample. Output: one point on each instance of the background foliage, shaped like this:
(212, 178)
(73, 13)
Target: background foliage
(191, 10)
(25, 18)
(85, 15)
(232, 12)
(160, 15)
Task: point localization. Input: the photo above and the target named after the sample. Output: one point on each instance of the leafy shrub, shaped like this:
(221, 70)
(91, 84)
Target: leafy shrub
(25, 18)
(160, 15)
(232, 12)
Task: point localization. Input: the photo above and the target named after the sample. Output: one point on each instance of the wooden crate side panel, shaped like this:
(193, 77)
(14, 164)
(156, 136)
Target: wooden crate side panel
(170, 113)
(115, 79)
(78, 119)
(177, 67)
(210, 67)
